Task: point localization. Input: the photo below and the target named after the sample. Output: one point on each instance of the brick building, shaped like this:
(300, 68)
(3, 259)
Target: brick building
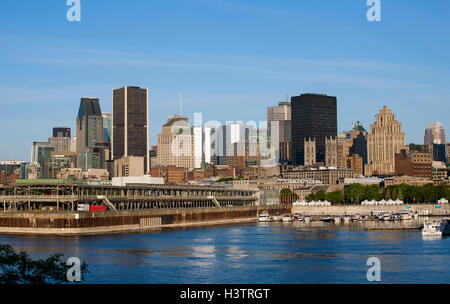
(414, 163)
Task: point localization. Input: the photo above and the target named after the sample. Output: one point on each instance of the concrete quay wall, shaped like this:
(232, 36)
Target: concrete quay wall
(441, 210)
(80, 223)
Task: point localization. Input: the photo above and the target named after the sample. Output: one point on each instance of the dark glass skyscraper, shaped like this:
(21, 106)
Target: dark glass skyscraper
(313, 116)
(130, 124)
(89, 125)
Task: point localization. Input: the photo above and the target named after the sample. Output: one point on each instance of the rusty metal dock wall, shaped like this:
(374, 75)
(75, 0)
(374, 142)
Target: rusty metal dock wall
(79, 223)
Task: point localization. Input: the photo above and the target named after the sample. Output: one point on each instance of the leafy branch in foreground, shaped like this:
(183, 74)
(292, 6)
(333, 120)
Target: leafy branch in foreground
(20, 268)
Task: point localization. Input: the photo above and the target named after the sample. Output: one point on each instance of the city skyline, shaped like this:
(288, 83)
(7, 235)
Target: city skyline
(190, 117)
(228, 58)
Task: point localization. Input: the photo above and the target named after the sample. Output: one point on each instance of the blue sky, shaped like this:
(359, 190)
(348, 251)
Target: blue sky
(231, 59)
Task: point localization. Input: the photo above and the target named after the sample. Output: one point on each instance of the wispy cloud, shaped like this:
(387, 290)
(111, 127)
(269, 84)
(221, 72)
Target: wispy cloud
(369, 74)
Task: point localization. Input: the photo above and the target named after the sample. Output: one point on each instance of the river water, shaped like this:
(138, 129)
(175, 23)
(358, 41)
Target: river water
(260, 253)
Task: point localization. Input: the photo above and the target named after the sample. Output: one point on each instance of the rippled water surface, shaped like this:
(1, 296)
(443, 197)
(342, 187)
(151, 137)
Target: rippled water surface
(252, 253)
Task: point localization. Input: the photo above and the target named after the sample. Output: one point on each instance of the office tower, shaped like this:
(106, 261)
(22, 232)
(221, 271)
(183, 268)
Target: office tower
(198, 146)
(354, 163)
(214, 145)
(107, 126)
(439, 153)
(73, 145)
(89, 125)
(384, 141)
(447, 150)
(57, 163)
(242, 145)
(129, 166)
(359, 136)
(130, 126)
(203, 138)
(440, 173)
(219, 144)
(61, 132)
(41, 154)
(282, 115)
(351, 143)
(314, 116)
(414, 163)
(280, 112)
(176, 144)
(435, 134)
(61, 139)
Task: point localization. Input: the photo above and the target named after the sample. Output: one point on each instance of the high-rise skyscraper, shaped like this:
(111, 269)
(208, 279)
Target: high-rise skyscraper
(314, 117)
(353, 143)
(130, 126)
(176, 143)
(41, 154)
(282, 115)
(89, 134)
(89, 125)
(435, 134)
(61, 132)
(384, 141)
(107, 126)
(60, 139)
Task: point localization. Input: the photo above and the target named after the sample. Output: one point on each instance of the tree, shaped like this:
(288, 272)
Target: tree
(310, 197)
(335, 197)
(20, 268)
(387, 194)
(354, 193)
(320, 195)
(400, 195)
(372, 192)
(286, 192)
(317, 196)
(414, 147)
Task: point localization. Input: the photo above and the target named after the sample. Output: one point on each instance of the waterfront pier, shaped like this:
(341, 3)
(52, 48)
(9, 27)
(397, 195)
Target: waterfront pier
(54, 208)
(67, 197)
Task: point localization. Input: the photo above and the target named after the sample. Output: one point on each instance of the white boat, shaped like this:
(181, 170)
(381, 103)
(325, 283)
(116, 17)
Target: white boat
(396, 216)
(286, 218)
(264, 217)
(298, 217)
(276, 217)
(327, 218)
(356, 217)
(387, 217)
(337, 219)
(436, 228)
(405, 215)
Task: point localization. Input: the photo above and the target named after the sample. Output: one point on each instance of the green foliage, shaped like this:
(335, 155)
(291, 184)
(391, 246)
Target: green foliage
(20, 268)
(286, 192)
(414, 147)
(356, 193)
(318, 196)
(225, 180)
(335, 197)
